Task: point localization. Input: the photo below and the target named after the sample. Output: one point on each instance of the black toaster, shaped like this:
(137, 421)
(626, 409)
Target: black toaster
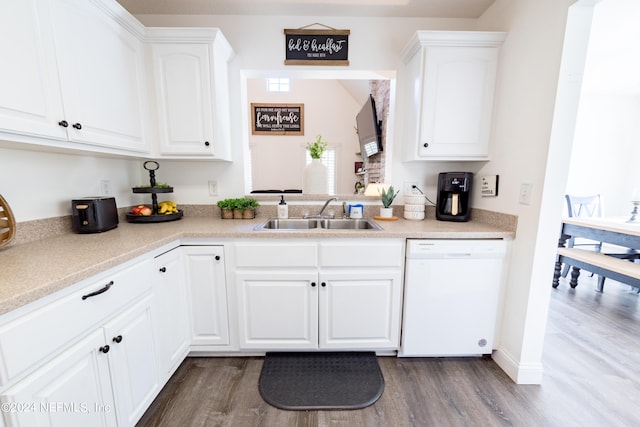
(94, 214)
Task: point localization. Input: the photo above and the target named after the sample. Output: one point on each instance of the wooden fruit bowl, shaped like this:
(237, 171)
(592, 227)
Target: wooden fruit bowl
(7, 223)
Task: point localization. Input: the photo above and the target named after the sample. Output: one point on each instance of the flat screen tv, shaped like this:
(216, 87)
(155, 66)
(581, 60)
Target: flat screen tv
(369, 129)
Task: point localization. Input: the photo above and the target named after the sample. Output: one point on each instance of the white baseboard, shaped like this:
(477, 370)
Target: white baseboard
(520, 373)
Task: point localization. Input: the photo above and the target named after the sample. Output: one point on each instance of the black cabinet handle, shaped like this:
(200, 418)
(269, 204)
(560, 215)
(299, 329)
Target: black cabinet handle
(217, 257)
(425, 145)
(99, 291)
(77, 126)
(63, 123)
(104, 349)
(313, 284)
(206, 143)
(323, 284)
(117, 339)
(163, 269)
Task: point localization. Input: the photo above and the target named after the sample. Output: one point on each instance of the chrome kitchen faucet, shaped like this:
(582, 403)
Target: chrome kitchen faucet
(319, 214)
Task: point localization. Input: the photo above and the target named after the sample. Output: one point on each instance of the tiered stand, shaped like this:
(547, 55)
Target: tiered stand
(152, 166)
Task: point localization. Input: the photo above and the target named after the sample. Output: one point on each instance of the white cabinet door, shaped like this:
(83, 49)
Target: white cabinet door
(30, 103)
(101, 68)
(190, 78)
(451, 79)
(183, 84)
(171, 316)
(132, 362)
(360, 309)
(73, 390)
(207, 295)
(277, 310)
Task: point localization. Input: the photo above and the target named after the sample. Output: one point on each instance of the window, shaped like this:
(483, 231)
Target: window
(329, 160)
(278, 84)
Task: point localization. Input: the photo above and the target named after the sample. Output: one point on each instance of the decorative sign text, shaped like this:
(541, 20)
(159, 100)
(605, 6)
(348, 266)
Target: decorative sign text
(317, 47)
(277, 119)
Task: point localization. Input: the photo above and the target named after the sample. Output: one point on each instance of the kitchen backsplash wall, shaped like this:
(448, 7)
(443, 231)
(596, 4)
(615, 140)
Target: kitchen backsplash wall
(42, 184)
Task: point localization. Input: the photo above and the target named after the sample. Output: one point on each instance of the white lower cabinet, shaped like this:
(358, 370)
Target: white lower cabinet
(336, 294)
(170, 316)
(360, 309)
(108, 378)
(73, 390)
(278, 309)
(86, 358)
(132, 362)
(207, 296)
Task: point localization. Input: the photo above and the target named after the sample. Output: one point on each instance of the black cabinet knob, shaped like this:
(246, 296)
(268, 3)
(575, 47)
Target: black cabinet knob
(323, 284)
(313, 284)
(206, 143)
(77, 126)
(217, 257)
(104, 349)
(163, 269)
(63, 123)
(425, 145)
(117, 339)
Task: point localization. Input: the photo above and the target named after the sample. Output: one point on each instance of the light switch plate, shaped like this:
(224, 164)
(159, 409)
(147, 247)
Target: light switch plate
(213, 188)
(525, 193)
(489, 186)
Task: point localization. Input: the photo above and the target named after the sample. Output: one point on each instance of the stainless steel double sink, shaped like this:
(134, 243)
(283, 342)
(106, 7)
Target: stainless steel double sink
(312, 223)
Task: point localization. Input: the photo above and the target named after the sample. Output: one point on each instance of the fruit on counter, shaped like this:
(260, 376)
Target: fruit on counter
(167, 207)
(142, 210)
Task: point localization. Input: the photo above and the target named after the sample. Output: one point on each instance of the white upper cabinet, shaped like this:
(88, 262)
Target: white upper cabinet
(189, 74)
(450, 87)
(76, 76)
(30, 103)
(101, 66)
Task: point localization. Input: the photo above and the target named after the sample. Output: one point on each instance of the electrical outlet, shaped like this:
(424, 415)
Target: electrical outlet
(525, 193)
(408, 188)
(105, 187)
(213, 188)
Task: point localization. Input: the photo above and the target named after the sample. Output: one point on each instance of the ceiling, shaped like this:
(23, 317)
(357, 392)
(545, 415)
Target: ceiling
(390, 8)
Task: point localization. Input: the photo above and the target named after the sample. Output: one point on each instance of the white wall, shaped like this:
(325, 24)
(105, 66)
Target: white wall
(526, 148)
(41, 185)
(606, 153)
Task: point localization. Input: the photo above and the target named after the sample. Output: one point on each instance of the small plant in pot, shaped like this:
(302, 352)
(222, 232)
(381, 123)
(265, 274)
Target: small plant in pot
(387, 196)
(249, 206)
(226, 208)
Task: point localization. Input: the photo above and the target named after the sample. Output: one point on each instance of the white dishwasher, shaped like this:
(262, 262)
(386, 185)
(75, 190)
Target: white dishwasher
(452, 291)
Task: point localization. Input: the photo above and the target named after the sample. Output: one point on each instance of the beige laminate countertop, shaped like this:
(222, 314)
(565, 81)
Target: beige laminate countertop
(31, 271)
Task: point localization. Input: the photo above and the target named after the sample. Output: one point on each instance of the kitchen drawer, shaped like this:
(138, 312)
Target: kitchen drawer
(277, 254)
(362, 253)
(44, 332)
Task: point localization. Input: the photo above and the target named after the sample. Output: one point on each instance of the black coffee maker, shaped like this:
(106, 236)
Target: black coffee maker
(454, 191)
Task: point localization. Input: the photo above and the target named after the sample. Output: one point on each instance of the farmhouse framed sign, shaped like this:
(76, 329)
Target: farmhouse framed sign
(306, 46)
(277, 119)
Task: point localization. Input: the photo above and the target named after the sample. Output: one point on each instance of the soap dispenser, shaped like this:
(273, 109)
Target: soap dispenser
(283, 209)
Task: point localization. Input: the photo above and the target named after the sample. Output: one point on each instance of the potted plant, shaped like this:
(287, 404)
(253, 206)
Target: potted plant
(315, 177)
(226, 208)
(249, 206)
(317, 147)
(387, 196)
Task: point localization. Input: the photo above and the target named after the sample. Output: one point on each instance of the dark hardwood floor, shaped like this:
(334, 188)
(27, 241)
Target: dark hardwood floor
(591, 378)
